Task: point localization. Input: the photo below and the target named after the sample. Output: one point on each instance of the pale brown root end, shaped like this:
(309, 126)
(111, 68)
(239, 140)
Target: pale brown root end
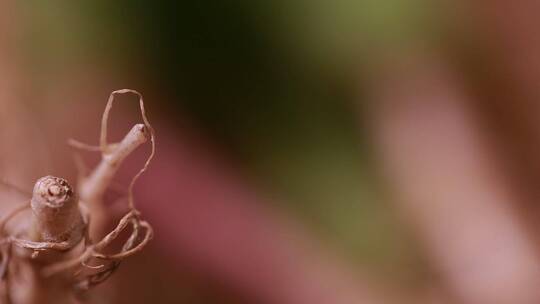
(57, 217)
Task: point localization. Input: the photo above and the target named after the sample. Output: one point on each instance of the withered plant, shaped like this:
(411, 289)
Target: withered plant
(55, 246)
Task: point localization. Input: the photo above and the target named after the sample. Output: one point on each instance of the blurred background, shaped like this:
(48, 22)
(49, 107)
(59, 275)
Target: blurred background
(307, 151)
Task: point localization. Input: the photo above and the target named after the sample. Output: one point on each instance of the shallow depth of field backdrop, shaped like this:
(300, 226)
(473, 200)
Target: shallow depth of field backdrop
(308, 151)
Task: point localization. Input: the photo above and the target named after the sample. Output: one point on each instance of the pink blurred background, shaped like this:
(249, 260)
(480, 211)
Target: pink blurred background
(307, 151)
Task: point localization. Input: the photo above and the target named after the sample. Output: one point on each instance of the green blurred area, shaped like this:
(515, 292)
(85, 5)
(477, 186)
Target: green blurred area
(276, 82)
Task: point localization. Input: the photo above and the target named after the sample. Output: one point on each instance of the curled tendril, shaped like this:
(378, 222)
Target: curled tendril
(104, 147)
(132, 245)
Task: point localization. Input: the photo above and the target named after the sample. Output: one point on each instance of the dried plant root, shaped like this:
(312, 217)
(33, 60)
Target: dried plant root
(60, 219)
(93, 186)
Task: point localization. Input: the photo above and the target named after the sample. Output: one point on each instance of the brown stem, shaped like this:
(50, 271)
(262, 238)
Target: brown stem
(93, 187)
